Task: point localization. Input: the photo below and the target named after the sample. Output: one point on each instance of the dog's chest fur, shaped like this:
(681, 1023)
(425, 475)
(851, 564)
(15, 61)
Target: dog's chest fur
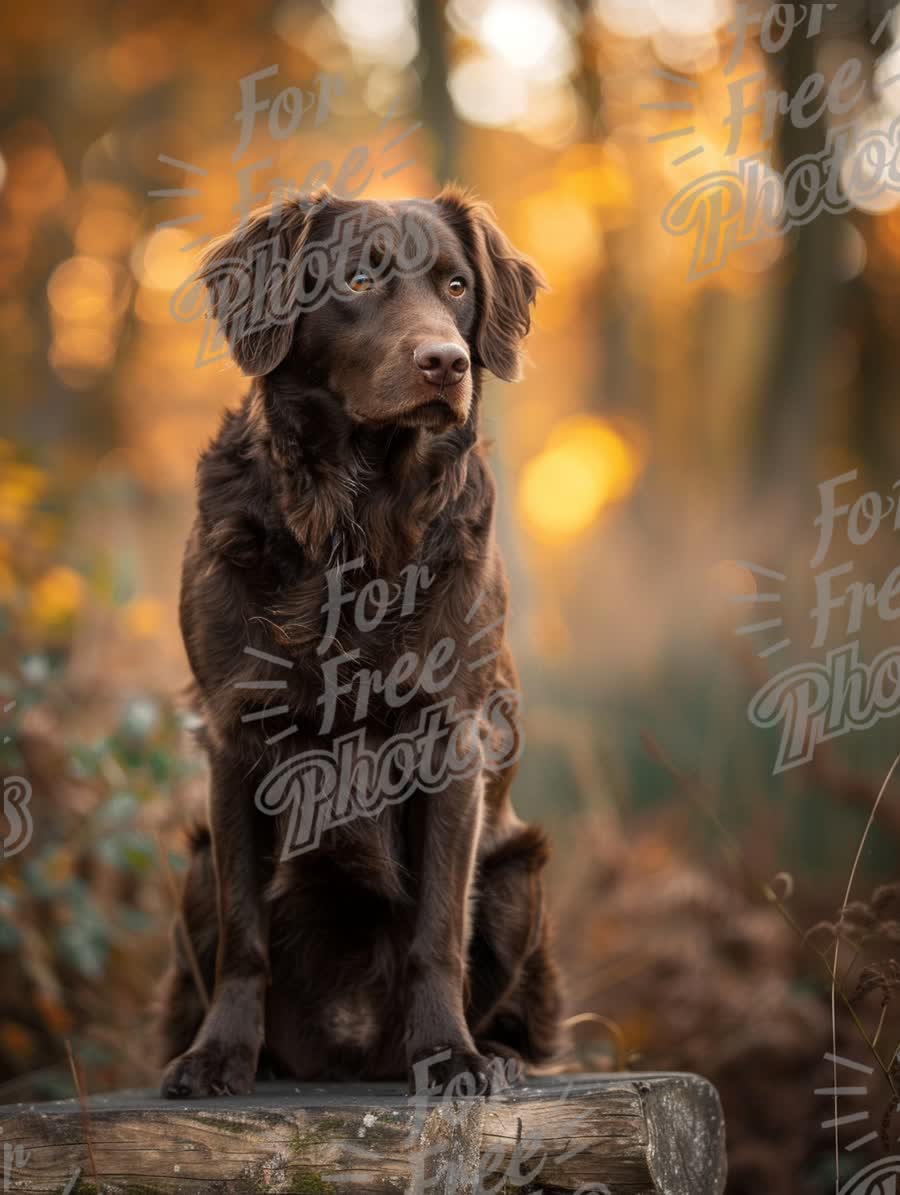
(389, 608)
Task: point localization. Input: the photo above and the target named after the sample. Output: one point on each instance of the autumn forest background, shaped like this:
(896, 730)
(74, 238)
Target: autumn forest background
(671, 429)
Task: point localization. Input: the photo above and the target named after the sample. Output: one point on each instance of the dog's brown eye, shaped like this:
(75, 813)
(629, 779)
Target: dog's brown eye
(457, 287)
(360, 281)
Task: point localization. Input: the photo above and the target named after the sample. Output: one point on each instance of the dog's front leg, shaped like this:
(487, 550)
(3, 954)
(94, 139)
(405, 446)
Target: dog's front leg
(439, 1045)
(224, 1054)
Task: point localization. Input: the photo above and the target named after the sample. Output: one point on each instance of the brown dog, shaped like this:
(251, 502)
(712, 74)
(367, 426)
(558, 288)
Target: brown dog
(343, 595)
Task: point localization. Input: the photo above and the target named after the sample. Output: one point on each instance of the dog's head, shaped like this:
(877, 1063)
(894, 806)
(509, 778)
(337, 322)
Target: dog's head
(390, 306)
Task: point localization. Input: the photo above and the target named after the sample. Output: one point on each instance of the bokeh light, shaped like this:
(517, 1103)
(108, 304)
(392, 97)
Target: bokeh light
(586, 465)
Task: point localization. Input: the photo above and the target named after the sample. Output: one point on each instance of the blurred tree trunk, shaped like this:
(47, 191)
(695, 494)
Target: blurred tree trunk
(437, 106)
(874, 397)
(791, 408)
(793, 404)
(617, 382)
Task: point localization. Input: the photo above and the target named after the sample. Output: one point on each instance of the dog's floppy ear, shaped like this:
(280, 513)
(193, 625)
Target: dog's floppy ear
(251, 276)
(507, 283)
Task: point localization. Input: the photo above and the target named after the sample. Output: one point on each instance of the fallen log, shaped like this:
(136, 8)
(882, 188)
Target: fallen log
(655, 1134)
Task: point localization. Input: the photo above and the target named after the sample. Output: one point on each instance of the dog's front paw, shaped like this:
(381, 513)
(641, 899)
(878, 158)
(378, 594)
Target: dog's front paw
(456, 1072)
(214, 1068)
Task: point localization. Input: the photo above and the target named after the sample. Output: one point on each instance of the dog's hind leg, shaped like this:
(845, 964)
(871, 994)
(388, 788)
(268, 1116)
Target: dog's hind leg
(190, 979)
(526, 1024)
(514, 994)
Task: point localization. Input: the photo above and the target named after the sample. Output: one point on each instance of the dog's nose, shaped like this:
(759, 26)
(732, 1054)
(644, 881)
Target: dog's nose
(443, 364)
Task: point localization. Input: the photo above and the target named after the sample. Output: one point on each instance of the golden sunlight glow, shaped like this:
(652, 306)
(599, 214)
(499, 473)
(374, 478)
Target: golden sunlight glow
(81, 288)
(645, 18)
(729, 579)
(552, 117)
(527, 34)
(106, 231)
(561, 228)
(489, 92)
(515, 70)
(143, 617)
(597, 442)
(83, 345)
(599, 177)
(87, 296)
(20, 487)
(586, 465)
(382, 31)
(56, 596)
(36, 182)
(559, 495)
(158, 260)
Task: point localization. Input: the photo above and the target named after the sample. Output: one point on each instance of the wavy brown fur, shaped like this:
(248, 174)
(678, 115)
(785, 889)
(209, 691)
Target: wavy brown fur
(423, 927)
